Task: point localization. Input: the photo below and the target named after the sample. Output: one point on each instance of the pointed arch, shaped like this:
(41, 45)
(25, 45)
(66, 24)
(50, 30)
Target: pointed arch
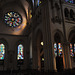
(66, 12)
(71, 34)
(20, 50)
(58, 36)
(71, 40)
(58, 49)
(39, 49)
(20, 55)
(4, 52)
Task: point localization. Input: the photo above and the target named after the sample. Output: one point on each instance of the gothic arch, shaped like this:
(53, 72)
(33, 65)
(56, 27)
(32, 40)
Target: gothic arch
(71, 40)
(71, 33)
(58, 50)
(16, 45)
(4, 41)
(66, 12)
(72, 14)
(39, 50)
(58, 34)
(39, 34)
(19, 62)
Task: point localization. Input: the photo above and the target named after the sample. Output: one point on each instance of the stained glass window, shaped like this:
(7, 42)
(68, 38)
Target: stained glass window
(38, 2)
(57, 49)
(2, 51)
(20, 52)
(69, 1)
(72, 49)
(33, 2)
(13, 19)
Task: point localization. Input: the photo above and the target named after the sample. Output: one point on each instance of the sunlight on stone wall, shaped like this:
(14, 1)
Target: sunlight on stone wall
(20, 29)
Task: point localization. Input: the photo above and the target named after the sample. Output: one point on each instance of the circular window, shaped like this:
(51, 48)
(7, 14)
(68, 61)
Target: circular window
(13, 19)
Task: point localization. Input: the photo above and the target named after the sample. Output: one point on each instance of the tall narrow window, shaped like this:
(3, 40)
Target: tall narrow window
(2, 51)
(72, 15)
(72, 49)
(20, 52)
(66, 12)
(58, 49)
(55, 49)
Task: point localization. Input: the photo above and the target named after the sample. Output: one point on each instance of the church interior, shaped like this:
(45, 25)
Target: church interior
(37, 37)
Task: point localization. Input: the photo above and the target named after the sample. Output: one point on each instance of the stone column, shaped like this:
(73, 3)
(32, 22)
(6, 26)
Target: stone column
(34, 52)
(66, 49)
(47, 39)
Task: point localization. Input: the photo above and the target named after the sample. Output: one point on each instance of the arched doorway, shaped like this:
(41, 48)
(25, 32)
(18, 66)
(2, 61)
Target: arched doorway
(72, 47)
(58, 52)
(40, 51)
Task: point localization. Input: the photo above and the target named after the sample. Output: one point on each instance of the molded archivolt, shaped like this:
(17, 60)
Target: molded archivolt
(2, 40)
(71, 36)
(58, 36)
(20, 41)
